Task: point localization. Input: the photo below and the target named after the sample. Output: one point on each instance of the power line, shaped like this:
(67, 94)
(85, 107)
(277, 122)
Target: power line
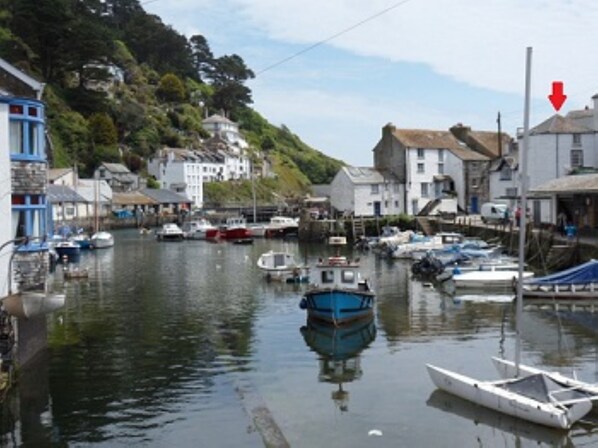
(334, 36)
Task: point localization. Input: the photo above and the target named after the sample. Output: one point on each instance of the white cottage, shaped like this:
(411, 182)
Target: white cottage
(432, 164)
(364, 191)
(179, 170)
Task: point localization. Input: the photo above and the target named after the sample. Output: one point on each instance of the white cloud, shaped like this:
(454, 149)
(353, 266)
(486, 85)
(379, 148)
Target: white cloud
(478, 42)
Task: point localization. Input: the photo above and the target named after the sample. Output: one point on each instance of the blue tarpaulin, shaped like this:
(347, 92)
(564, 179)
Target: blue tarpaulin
(584, 273)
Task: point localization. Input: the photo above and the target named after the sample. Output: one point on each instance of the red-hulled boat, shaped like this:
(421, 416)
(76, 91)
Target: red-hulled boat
(235, 229)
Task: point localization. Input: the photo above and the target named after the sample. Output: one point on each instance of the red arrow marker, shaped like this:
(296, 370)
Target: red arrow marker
(557, 98)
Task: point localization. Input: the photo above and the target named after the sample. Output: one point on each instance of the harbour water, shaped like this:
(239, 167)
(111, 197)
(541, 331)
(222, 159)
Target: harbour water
(185, 344)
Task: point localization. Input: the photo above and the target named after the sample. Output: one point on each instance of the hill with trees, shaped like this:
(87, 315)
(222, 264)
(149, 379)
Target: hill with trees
(122, 85)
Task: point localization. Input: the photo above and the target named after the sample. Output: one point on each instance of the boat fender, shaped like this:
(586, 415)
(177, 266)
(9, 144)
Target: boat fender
(456, 270)
(303, 303)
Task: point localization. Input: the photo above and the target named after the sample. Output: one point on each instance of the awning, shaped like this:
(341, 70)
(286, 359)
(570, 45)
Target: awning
(442, 178)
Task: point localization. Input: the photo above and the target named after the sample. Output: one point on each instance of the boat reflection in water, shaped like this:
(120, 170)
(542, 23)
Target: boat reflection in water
(491, 424)
(339, 350)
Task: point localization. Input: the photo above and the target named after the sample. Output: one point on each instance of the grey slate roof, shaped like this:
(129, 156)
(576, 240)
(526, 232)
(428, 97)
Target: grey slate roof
(116, 168)
(366, 175)
(163, 196)
(62, 193)
(557, 124)
(578, 183)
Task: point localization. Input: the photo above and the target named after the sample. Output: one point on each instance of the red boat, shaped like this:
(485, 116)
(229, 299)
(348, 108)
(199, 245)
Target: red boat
(235, 229)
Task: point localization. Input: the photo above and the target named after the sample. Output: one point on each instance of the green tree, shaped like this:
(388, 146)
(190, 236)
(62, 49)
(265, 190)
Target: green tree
(171, 89)
(228, 78)
(102, 129)
(203, 59)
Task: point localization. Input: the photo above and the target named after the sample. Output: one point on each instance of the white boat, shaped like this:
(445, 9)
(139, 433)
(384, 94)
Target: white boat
(281, 266)
(514, 397)
(199, 229)
(337, 240)
(170, 232)
(538, 397)
(491, 278)
(257, 230)
(101, 240)
(282, 226)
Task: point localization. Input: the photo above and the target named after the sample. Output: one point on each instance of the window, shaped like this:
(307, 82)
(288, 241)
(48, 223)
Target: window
(420, 168)
(576, 139)
(375, 189)
(420, 153)
(26, 132)
(28, 216)
(441, 155)
(396, 204)
(441, 168)
(327, 276)
(424, 190)
(506, 173)
(475, 182)
(576, 158)
(347, 276)
(511, 192)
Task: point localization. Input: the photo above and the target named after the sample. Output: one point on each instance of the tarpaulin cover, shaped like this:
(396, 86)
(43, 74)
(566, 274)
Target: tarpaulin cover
(539, 386)
(584, 273)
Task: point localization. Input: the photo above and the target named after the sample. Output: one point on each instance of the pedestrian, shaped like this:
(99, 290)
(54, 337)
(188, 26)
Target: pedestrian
(517, 216)
(570, 231)
(561, 222)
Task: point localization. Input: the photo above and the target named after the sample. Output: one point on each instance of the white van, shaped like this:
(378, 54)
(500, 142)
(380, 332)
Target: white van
(493, 213)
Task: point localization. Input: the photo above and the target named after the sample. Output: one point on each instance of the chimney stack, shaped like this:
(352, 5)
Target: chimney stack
(595, 115)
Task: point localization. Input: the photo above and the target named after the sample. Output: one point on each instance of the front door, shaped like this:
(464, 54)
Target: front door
(474, 205)
(377, 208)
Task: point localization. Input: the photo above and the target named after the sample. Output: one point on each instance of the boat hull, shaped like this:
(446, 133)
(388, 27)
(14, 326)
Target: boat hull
(488, 279)
(238, 233)
(102, 241)
(339, 306)
(491, 395)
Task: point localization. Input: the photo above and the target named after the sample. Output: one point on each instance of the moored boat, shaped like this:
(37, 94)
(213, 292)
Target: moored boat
(579, 282)
(67, 250)
(281, 266)
(557, 406)
(169, 232)
(235, 229)
(200, 229)
(102, 240)
(488, 279)
(282, 227)
(339, 294)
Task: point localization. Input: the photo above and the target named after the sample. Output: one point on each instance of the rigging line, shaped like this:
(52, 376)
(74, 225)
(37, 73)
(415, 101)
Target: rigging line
(328, 39)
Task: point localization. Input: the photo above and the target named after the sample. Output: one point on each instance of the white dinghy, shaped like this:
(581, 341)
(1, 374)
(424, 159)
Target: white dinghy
(536, 398)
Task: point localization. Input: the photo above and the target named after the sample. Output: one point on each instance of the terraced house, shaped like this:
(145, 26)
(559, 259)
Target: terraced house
(23, 186)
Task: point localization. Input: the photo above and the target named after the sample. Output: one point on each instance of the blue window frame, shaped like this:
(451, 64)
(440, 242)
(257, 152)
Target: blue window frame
(26, 130)
(29, 220)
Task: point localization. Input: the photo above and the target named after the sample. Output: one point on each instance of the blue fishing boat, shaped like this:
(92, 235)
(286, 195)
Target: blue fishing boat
(579, 282)
(339, 295)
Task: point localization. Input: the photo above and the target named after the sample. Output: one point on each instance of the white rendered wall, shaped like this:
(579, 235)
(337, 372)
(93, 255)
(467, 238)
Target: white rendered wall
(5, 200)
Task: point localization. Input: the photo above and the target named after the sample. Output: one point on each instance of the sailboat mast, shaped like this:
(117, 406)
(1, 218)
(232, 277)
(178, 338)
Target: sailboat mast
(523, 204)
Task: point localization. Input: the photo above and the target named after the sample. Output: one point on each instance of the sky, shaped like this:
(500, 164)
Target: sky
(336, 71)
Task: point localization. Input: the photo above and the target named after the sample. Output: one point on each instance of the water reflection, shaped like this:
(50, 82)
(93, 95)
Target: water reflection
(488, 421)
(339, 350)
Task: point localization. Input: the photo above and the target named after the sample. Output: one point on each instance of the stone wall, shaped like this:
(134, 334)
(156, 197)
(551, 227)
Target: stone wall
(29, 177)
(30, 270)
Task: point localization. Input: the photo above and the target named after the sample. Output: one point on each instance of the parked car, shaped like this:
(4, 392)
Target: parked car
(494, 213)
